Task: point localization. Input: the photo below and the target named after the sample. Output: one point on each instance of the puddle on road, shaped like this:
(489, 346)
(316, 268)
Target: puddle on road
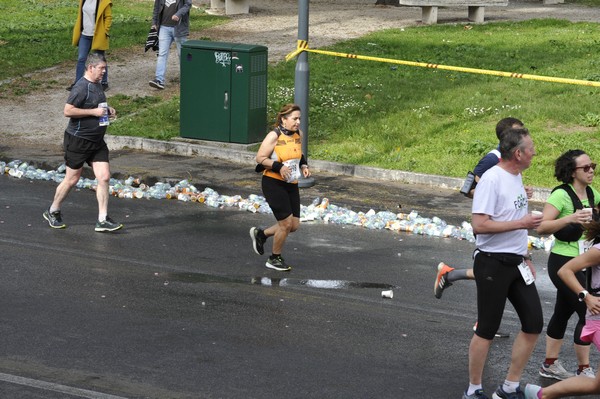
(274, 282)
(324, 284)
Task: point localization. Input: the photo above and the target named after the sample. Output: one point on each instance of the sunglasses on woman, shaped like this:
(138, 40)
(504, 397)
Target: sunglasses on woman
(586, 168)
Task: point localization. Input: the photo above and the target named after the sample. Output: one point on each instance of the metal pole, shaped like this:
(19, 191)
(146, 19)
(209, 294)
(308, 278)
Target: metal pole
(301, 84)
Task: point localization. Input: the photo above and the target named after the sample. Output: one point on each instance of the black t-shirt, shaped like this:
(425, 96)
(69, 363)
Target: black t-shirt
(86, 95)
(167, 13)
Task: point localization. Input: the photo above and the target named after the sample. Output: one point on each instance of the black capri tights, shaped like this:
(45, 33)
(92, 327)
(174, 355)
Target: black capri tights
(566, 303)
(498, 281)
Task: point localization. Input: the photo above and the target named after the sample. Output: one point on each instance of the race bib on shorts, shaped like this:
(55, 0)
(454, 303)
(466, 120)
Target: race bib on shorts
(526, 273)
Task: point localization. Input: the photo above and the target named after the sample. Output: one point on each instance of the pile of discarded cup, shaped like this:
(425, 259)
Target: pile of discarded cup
(320, 210)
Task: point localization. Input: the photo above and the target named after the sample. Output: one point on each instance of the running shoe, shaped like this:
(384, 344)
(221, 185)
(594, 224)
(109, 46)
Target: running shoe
(587, 372)
(500, 394)
(277, 263)
(478, 394)
(54, 219)
(531, 391)
(258, 242)
(441, 280)
(555, 370)
(107, 225)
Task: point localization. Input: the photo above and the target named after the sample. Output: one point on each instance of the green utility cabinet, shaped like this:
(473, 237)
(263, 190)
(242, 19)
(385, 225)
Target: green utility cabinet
(223, 91)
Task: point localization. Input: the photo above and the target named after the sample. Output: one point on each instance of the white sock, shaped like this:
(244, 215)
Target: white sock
(52, 210)
(101, 217)
(510, 386)
(473, 388)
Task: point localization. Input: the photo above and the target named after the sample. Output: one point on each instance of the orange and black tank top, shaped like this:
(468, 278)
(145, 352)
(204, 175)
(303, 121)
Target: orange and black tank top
(288, 148)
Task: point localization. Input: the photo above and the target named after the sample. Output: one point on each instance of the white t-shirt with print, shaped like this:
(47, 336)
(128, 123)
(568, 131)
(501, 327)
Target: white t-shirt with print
(502, 196)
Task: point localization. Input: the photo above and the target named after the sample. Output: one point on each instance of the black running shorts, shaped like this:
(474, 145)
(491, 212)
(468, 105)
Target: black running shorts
(283, 197)
(79, 151)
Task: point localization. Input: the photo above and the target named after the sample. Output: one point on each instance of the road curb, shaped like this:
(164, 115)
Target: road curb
(239, 153)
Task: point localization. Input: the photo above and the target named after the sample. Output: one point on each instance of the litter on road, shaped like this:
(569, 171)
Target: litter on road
(320, 210)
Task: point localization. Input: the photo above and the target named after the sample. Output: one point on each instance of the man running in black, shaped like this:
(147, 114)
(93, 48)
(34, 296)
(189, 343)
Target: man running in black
(84, 143)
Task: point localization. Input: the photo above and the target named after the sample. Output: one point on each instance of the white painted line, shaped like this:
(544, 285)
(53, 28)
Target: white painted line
(50, 386)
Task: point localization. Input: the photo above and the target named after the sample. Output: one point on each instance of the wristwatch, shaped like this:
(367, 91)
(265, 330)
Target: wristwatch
(582, 295)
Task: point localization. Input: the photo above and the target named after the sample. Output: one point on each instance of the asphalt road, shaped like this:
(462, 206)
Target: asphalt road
(177, 305)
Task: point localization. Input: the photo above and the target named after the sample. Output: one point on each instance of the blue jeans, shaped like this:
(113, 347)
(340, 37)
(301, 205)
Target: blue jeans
(166, 37)
(84, 46)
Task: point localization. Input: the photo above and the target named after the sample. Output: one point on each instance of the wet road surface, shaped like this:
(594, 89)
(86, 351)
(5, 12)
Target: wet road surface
(177, 305)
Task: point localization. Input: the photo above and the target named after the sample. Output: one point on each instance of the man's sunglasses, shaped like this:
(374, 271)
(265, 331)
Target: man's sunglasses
(587, 168)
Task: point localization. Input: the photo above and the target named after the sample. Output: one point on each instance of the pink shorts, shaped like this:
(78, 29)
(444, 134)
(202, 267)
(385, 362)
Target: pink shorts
(591, 332)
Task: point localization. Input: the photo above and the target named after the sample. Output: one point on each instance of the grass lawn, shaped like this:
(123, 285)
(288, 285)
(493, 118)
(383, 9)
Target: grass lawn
(371, 113)
(36, 34)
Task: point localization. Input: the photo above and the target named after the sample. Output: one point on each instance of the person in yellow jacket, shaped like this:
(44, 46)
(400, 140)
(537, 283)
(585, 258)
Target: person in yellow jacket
(91, 33)
(281, 159)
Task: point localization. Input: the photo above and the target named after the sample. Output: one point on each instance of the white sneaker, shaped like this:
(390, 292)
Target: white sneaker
(587, 372)
(556, 371)
(531, 391)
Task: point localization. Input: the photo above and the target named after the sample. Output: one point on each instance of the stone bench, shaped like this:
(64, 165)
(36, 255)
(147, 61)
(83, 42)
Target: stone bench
(230, 6)
(476, 8)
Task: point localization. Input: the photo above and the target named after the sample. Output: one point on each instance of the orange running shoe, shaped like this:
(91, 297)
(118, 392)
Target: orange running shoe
(441, 280)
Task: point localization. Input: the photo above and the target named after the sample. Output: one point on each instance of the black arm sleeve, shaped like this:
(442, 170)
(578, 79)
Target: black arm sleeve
(276, 166)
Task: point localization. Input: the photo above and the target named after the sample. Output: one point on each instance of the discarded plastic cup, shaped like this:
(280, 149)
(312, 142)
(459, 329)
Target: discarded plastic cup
(387, 294)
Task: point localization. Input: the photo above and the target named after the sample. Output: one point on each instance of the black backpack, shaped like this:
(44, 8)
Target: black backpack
(573, 231)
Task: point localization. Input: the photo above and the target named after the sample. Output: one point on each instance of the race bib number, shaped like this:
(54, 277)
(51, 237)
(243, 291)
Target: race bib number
(584, 245)
(294, 166)
(526, 273)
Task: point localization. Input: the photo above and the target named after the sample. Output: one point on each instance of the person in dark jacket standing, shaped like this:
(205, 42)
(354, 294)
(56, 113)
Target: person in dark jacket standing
(172, 19)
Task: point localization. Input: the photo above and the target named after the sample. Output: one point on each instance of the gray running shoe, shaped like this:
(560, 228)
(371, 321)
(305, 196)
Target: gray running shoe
(107, 225)
(478, 394)
(258, 243)
(556, 371)
(277, 263)
(54, 219)
(531, 391)
(500, 394)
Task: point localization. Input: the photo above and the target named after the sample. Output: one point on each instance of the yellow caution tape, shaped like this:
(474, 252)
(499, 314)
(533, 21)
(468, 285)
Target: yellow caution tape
(303, 46)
